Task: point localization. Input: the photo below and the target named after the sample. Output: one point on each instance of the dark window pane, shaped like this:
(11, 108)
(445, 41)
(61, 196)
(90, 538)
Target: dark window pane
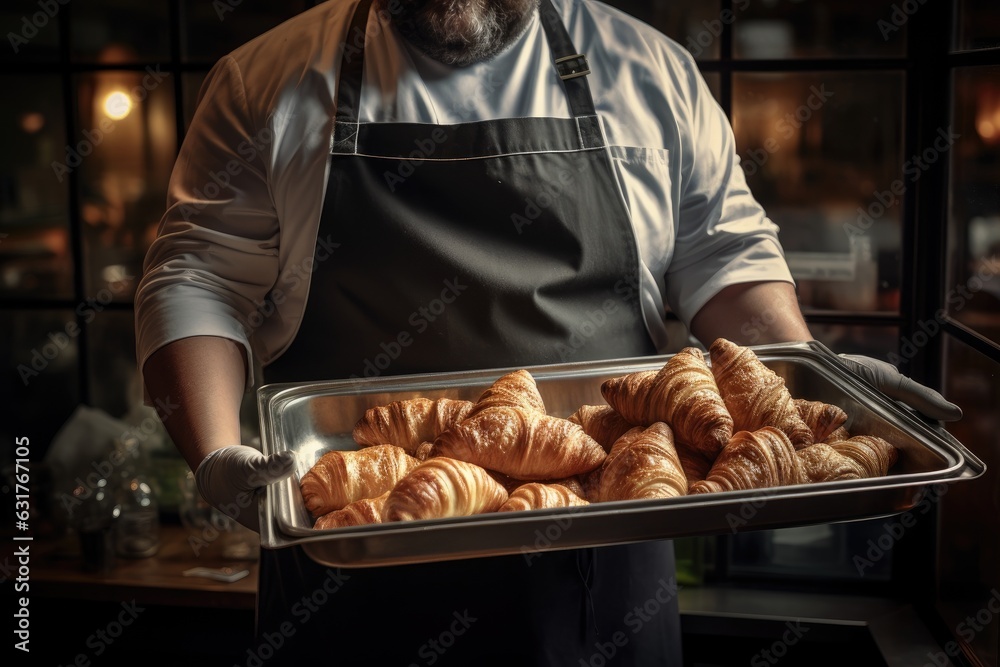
(977, 25)
(32, 33)
(877, 342)
(113, 381)
(818, 554)
(40, 379)
(969, 570)
(790, 29)
(973, 295)
(822, 153)
(714, 81)
(129, 118)
(35, 255)
(120, 31)
(190, 85)
(213, 29)
(696, 25)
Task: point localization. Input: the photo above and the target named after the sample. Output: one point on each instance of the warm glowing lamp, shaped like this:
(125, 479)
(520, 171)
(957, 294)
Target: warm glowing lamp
(117, 105)
(986, 130)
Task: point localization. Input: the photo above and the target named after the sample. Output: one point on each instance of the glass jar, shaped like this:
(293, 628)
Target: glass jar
(137, 530)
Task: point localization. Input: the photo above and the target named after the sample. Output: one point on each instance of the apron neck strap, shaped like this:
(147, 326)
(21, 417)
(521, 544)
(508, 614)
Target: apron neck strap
(571, 66)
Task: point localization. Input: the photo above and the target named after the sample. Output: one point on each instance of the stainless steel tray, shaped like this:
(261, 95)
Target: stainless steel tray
(310, 419)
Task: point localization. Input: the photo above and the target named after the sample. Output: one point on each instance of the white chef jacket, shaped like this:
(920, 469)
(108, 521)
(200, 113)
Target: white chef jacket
(247, 189)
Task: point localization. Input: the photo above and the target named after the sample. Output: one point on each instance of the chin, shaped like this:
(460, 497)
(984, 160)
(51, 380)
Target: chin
(462, 32)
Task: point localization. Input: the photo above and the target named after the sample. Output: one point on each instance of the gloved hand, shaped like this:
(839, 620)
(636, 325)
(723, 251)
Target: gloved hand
(884, 377)
(229, 479)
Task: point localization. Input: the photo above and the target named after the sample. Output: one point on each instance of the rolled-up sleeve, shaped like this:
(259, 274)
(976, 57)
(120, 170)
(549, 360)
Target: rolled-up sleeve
(723, 235)
(215, 256)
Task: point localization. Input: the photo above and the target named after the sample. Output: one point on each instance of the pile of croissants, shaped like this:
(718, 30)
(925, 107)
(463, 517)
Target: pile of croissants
(684, 429)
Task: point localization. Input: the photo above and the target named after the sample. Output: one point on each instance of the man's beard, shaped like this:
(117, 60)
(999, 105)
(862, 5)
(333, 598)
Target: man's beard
(462, 32)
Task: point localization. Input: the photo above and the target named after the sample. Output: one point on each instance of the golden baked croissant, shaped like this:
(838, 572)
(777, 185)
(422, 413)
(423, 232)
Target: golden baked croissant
(694, 464)
(873, 454)
(572, 483)
(423, 452)
(823, 463)
(753, 460)
(535, 495)
(409, 423)
(590, 482)
(341, 477)
(643, 464)
(514, 390)
(359, 513)
(525, 444)
(441, 487)
(602, 423)
(755, 395)
(821, 418)
(839, 434)
(683, 394)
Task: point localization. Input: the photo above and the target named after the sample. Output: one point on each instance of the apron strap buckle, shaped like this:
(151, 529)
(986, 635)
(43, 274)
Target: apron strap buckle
(570, 67)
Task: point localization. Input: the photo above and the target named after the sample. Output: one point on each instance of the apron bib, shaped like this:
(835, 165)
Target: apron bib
(453, 255)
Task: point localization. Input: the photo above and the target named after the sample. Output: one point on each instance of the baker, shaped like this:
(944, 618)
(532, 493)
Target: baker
(432, 185)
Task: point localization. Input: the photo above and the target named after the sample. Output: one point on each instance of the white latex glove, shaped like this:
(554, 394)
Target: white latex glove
(887, 379)
(230, 478)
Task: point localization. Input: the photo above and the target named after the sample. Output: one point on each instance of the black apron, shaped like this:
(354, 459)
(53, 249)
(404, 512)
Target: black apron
(455, 252)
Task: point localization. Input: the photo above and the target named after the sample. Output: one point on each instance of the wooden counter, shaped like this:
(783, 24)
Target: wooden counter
(57, 572)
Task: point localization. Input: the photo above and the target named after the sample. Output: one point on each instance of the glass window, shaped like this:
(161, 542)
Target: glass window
(130, 142)
(878, 342)
(190, 85)
(793, 29)
(969, 569)
(35, 255)
(820, 552)
(120, 31)
(973, 292)
(31, 30)
(977, 25)
(213, 29)
(114, 385)
(40, 355)
(822, 153)
(697, 26)
(714, 81)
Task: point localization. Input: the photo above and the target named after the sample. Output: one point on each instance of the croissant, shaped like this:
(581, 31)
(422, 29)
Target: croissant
(694, 464)
(755, 395)
(873, 454)
(572, 483)
(840, 434)
(643, 464)
(341, 477)
(359, 513)
(514, 390)
(409, 423)
(423, 452)
(822, 463)
(507, 482)
(601, 423)
(821, 418)
(443, 487)
(683, 394)
(535, 495)
(590, 482)
(753, 460)
(525, 444)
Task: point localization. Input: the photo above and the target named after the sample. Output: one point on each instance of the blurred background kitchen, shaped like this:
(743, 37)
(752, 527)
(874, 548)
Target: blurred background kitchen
(870, 131)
